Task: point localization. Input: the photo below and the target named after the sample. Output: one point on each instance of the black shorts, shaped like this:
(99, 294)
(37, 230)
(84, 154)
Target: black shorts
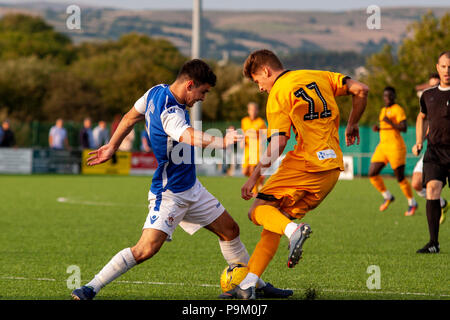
(435, 171)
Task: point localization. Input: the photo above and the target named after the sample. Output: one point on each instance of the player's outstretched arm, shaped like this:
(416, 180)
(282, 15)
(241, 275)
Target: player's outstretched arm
(201, 139)
(359, 92)
(106, 152)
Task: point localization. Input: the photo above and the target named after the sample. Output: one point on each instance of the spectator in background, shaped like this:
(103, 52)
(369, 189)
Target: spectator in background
(114, 126)
(8, 136)
(57, 137)
(254, 128)
(1, 135)
(433, 81)
(101, 134)
(146, 145)
(86, 135)
(230, 154)
(115, 123)
(127, 143)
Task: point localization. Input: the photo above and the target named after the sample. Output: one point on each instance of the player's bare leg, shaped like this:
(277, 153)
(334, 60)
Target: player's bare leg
(416, 183)
(148, 245)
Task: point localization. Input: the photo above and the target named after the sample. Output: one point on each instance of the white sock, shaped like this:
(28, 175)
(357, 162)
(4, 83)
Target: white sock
(118, 265)
(422, 193)
(290, 228)
(250, 281)
(386, 194)
(234, 251)
(412, 202)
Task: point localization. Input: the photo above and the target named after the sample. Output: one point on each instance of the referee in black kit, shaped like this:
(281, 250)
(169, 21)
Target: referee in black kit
(435, 107)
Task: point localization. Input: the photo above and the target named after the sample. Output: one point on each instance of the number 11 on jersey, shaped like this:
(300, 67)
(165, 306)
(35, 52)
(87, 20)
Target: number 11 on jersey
(312, 114)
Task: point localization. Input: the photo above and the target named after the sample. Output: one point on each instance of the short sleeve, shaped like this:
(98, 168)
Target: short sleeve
(423, 105)
(244, 124)
(338, 83)
(174, 122)
(141, 104)
(262, 124)
(277, 113)
(400, 115)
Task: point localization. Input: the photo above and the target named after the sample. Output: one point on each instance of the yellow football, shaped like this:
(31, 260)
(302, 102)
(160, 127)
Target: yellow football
(232, 276)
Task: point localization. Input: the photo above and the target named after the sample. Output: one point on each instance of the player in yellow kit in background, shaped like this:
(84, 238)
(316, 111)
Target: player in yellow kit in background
(303, 100)
(254, 128)
(391, 149)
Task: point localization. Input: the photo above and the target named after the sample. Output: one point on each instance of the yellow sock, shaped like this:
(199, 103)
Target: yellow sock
(264, 252)
(405, 186)
(378, 183)
(270, 218)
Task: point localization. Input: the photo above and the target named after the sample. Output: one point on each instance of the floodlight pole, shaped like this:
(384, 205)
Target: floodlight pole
(196, 52)
(196, 111)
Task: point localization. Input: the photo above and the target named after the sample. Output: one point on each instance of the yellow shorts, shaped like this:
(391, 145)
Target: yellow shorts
(298, 191)
(395, 156)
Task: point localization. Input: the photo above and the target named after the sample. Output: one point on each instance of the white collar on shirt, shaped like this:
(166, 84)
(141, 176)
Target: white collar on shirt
(444, 89)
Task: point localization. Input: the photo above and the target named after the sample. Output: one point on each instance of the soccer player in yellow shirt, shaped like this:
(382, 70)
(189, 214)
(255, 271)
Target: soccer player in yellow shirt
(303, 100)
(391, 149)
(254, 128)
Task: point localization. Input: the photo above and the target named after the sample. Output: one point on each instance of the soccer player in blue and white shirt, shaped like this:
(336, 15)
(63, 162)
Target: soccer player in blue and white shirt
(176, 196)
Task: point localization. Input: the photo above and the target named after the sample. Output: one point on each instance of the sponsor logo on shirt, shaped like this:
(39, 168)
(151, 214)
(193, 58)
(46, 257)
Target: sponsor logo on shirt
(326, 154)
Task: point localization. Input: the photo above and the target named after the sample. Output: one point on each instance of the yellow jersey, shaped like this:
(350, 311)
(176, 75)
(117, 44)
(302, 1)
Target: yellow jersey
(252, 131)
(305, 101)
(389, 136)
(251, 128)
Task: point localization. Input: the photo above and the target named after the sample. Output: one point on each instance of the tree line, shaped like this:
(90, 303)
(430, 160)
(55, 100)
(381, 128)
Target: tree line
(45, 76)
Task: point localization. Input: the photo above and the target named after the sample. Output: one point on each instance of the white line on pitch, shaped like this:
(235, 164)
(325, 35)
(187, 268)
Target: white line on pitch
(95, 203)
(217, 286)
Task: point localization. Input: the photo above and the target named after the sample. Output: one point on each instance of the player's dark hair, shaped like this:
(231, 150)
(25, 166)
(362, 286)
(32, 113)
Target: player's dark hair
(444, 53)
(391, 89)
(198, 71)
(258, 59)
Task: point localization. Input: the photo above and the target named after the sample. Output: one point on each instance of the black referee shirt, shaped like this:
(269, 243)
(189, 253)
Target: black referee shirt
(435, 103)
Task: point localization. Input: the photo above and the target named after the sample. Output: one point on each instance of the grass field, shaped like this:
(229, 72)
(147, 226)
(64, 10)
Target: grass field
(41, 237)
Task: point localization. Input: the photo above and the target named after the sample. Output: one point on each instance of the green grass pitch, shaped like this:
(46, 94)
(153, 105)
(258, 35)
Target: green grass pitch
(41, 237)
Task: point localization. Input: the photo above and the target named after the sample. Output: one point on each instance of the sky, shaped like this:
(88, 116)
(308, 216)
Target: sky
(325, 5)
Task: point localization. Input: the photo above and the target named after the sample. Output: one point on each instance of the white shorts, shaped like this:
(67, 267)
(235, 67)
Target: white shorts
(191, 209)
(419, 166)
